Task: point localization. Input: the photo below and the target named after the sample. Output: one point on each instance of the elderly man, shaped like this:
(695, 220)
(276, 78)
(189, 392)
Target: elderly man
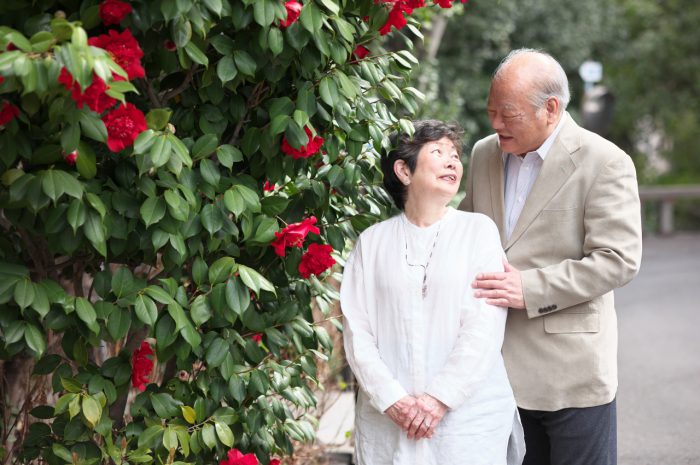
(567, 207)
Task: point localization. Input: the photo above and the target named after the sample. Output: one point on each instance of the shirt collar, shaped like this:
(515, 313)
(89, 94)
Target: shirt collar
(543, 149)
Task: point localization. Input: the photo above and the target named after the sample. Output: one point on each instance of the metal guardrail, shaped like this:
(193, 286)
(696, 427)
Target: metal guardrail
(666, 197)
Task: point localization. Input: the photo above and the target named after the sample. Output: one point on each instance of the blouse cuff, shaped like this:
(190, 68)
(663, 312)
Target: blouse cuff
(388, 395)
(449, 396)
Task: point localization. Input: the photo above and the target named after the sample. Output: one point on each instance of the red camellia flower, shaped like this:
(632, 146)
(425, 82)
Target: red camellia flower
(71, 158)
(236, 457)
(141, 366)
(257, 337)
(123, 124)
(305, 151)
(294, 235)
(2, 79)
(8, 112)
(396, 17)
(275, 462)
(293, 11)
(316, 260)
(94, 96)
(360, 52)
(269, 187)
(113, 11)
(169, 45)
(124, 49)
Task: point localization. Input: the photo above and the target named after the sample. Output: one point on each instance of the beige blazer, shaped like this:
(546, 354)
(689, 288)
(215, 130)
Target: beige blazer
(577, 238)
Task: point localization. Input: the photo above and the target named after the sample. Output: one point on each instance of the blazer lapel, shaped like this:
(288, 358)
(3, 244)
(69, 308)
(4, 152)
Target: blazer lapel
(556, 169)
(496, 180)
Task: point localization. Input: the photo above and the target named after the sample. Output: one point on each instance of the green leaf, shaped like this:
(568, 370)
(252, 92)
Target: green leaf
(329, 91)
(228, 155)
(24, 293)
(181, 31)
(279, 124)
(41, 301)
(237, 295)
(189, 414)
(165, 406)
(95, 232)
(264, 12)
(63, 402)
(196, 54)
(275, 40)
(224, 433)
(118, 324)
(216, 352)
(35, 339)
(169, 439)
(233, 200)
(86, 163)
(148, 437)
(61, 452)
(122, 282)
(146, 309)
(311, 18)
(211, 218)
(209, 436)
(144, 141)
(226, 69)
(210, 173)
(237, 388)
(204, 146)
(51, 184)
(158, 118)
(47, 364)
(160, 295)
(254, 280)
(86, 312)
(221, 269)
(92, 127)
(152, 210)
(160, 151)
(92, 410)
(244, 62)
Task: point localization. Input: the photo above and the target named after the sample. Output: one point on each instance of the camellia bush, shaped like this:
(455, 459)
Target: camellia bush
(179, 178)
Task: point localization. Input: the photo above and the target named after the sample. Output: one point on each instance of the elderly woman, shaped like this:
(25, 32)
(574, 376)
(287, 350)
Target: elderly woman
(425, 352)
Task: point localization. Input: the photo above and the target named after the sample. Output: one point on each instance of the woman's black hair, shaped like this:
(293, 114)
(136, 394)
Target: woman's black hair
(407, 148)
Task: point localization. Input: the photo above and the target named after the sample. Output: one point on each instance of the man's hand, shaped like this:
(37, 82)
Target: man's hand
(501, 289)
(430, 415)
(403, 411)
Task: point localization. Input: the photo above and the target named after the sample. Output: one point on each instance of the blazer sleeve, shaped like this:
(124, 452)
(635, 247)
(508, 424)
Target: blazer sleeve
(612, 246)
(467, 204)
(480, 337)
(360, 340)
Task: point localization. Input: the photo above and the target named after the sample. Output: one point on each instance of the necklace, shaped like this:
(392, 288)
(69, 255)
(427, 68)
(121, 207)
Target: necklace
(424, 287)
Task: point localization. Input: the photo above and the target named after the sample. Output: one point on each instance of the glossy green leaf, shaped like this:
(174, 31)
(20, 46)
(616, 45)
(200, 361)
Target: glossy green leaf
(146, 309)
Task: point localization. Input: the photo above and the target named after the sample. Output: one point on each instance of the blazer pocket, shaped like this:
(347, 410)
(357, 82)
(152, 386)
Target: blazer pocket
(560, 323)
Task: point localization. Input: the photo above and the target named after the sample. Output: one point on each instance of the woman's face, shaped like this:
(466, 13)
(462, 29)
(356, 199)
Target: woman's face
(438, 170)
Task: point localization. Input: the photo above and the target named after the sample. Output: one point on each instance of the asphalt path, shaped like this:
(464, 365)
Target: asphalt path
(659, 356)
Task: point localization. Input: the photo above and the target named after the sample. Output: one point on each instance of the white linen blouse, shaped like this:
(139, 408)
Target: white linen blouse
(446, 345)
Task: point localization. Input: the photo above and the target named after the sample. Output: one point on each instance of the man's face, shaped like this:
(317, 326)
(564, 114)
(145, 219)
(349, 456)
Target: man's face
(520, 127)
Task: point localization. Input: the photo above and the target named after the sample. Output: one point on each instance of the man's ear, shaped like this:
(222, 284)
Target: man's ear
(402, 171)
(552, 107)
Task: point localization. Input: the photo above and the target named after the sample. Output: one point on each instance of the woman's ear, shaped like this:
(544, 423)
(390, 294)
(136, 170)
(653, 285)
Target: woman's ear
(402, 171)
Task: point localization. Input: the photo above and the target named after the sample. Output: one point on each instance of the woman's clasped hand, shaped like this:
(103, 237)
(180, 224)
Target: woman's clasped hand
(418, 416)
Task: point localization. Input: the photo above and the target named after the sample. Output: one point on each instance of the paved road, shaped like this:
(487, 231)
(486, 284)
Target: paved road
(659, 356)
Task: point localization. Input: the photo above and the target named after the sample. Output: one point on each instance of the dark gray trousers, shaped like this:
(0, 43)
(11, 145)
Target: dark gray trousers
(572, 436)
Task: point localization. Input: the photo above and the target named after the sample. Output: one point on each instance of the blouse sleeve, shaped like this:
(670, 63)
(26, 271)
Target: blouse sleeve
(480, 337)
(361, 348)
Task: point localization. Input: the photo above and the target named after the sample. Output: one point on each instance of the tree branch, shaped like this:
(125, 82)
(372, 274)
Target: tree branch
(181, 88)
(252, 102)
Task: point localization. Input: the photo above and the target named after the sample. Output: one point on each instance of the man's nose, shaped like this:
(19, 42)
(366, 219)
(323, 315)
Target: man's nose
(497, 122)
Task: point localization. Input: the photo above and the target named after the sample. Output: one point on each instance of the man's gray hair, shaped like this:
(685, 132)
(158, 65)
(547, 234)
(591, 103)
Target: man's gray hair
(548, 85)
